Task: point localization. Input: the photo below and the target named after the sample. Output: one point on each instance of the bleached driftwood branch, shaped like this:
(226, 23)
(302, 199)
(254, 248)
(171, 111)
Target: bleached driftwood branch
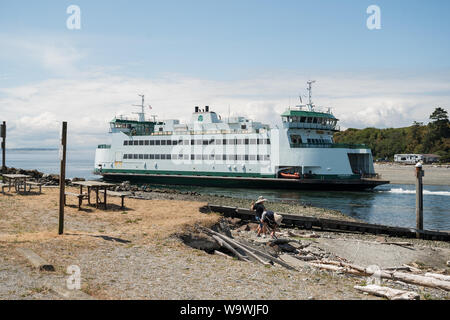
(390, 293)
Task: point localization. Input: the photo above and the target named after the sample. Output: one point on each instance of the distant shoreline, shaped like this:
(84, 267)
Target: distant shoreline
(435, 175)
(31, 149)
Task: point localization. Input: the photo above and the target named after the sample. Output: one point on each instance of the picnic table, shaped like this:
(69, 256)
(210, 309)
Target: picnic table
(16, 180)
(97, 186)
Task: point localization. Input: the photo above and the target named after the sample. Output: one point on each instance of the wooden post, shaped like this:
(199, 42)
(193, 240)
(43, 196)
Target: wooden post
(419, 199)
(3, 136)
(62, 177)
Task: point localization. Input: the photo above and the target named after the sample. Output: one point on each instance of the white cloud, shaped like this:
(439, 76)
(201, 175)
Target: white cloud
(34, 112)
(53, 54)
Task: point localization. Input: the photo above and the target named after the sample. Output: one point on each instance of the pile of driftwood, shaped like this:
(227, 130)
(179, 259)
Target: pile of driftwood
(242, 251)
(247, 253)
(431, 280)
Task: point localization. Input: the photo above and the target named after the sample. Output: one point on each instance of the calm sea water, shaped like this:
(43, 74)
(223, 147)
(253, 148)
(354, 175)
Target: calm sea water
(392, 204)
(79, 164)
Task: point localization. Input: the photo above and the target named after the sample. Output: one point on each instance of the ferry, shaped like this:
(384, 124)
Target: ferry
(236, 152)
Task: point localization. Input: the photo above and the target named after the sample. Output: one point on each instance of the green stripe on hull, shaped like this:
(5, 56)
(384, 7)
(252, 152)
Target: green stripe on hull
(190, 173)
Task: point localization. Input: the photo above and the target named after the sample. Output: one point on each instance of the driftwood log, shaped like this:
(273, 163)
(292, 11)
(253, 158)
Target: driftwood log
(390, 293)
(438, 276)
(237, 245)
(35, 260)
(227, 246)
(421, 280)
(222, 254)
(224, 239)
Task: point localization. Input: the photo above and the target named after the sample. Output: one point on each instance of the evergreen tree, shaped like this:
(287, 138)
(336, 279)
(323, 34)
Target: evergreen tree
(418, 138)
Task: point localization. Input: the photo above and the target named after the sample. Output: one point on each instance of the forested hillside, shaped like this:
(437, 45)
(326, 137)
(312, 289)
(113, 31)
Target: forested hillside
(418, 138)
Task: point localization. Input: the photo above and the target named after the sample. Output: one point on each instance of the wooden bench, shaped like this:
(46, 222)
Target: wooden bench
(32, 184)
(80, 197)
(122, 195)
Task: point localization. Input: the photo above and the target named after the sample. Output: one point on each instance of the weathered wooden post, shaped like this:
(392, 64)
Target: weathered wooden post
(62, 176)
(3, 136)
(419, 199)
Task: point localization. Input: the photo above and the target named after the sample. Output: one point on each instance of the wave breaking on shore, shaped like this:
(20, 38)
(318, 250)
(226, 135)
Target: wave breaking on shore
(428, 192)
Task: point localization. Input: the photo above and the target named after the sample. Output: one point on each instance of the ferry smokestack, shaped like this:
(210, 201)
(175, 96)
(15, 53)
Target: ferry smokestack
(196, 109)
(207, 108)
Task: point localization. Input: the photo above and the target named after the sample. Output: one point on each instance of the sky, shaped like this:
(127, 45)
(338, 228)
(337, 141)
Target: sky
(248, 57)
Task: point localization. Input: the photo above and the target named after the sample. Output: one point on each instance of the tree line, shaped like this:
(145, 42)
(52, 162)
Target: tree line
(433, 137)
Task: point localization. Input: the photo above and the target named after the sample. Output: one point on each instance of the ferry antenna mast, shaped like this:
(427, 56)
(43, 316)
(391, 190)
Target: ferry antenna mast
(310, 82)
(142, 113)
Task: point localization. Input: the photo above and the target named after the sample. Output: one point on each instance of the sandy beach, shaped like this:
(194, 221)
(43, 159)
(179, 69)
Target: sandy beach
(137, 253)
(404, 174)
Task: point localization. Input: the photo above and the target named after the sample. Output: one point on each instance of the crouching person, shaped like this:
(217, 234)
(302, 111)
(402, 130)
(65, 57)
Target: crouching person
(271, 221)
(258, 206)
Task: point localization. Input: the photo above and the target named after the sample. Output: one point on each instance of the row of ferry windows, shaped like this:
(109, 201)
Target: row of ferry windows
(194, 142)
(326, 121)
(318, 141)
(245, 157)
(298, 140)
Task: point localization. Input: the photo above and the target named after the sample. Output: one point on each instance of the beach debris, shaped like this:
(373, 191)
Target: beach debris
(220, 253)
(422, 280)
(308, 257)
(438, 276)
(402, 268)
(389, 293)
(412, 269)
(246, 253)
(35, 260)
(292, 260)
(225, 244)
(400, 244)
(302, 234)
(200, 241)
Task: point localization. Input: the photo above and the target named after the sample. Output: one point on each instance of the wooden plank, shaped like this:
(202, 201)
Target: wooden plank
(35, 260)
(75, 194)
(335, 225)
(116, 193)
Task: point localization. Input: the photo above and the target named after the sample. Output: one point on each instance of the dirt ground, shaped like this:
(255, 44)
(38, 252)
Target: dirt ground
(134, 254)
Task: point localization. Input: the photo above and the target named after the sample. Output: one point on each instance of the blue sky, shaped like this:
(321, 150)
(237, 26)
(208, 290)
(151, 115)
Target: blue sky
(252, 55)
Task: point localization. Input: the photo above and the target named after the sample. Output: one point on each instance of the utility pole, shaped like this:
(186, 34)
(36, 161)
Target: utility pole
(62, 177)
(3, 136)
(419, 199)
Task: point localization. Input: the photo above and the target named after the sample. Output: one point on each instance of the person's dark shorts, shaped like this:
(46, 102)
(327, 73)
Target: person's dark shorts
(259, 221)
